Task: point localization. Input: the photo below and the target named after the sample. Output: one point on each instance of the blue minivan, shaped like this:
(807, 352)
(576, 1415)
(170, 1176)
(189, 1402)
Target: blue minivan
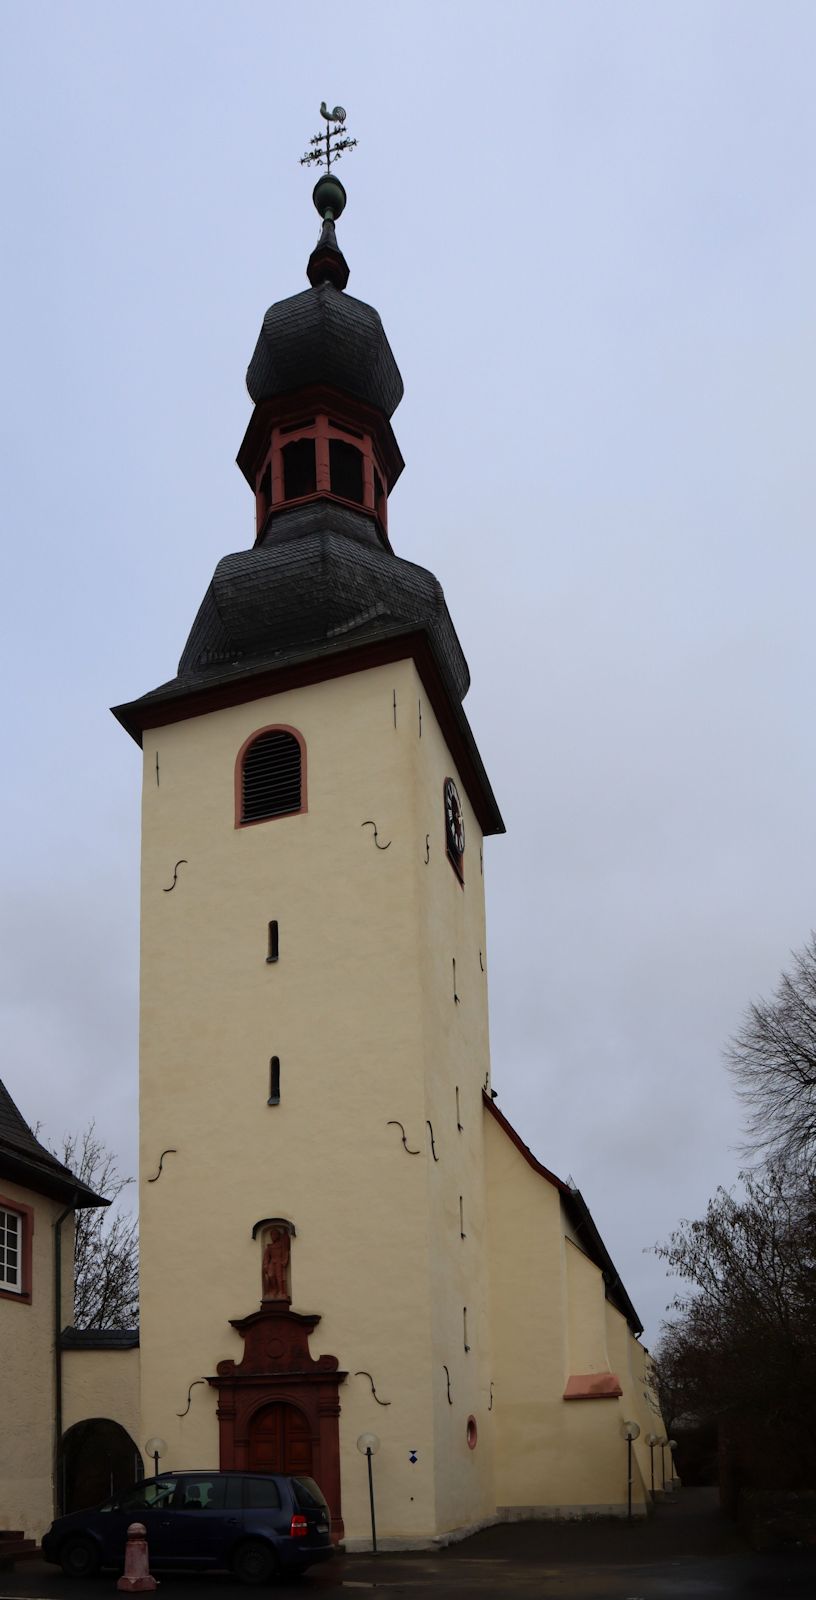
(258, 1525)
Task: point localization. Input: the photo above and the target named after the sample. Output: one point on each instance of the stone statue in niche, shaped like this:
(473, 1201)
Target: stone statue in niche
(275, 1265)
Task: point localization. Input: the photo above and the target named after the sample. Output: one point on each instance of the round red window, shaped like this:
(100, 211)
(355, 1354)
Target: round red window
(472, 1433)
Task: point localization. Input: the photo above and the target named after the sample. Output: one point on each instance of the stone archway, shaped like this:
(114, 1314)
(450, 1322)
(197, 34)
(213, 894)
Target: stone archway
(279, 1403)
(98, 1460)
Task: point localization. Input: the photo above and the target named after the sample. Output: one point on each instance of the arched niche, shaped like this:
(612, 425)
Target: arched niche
(98, 1459)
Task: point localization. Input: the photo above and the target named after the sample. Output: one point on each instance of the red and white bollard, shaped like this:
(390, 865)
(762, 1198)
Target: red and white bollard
(136, 1577)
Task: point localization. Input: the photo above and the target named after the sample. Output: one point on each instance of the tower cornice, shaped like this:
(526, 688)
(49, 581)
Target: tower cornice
(179, 700)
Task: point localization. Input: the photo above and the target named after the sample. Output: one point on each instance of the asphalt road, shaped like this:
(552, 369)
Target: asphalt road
(685, 1552)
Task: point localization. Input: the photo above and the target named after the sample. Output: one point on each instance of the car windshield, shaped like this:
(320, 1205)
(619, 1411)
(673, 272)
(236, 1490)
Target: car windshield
(146, 1496)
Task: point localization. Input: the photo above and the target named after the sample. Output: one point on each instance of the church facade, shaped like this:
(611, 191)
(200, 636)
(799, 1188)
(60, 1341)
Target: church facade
(341, 1235)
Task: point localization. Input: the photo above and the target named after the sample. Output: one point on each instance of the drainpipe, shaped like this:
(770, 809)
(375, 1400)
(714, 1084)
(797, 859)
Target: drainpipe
(58, 1484)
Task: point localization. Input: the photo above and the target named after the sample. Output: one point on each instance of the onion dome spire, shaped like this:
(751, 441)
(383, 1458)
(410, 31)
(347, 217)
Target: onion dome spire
(327, 263)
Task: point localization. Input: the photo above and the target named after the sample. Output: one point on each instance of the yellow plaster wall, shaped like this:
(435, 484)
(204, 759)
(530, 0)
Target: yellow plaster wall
(102, 1383)
(549, 1318)
(625, 1355)
(586, 1314)
(639, 1400)
(346, 1009)
(529, 1330)
(647, 1409)
(27, 1344)
(456, 1054)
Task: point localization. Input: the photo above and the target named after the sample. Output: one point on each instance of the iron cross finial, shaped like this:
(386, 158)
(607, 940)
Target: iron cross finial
(327, 147)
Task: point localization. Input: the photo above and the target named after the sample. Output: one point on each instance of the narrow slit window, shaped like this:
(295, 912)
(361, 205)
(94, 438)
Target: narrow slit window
(274, 1081)
(346, 468)
(458, 1113)
(271, 777)
(299, 471)
(272, 943)
(462, 1224)
(464, 1329)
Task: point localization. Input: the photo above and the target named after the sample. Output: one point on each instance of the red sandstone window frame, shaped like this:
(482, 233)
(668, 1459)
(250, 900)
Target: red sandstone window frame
(255, 822)
(26, 1215)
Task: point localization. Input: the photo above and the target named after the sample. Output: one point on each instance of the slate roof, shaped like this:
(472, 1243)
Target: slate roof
(320, 575)
(99, 1339)
(586, 1230)
(325, 336)
(27, 1162)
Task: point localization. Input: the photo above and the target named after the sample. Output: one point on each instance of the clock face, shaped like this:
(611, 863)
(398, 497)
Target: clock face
(454, 821)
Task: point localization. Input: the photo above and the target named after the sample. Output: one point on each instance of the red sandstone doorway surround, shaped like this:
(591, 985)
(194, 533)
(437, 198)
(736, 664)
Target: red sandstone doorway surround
(278, 1403)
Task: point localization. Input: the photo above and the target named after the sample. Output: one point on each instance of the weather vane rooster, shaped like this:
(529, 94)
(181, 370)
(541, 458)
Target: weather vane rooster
(329, 146)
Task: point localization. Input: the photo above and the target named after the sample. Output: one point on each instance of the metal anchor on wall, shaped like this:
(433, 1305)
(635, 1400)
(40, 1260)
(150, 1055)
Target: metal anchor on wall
(182, 862)
(170, 1151)
(376, 836)
(190, 1396)
(393, 1123)
(364, 1374)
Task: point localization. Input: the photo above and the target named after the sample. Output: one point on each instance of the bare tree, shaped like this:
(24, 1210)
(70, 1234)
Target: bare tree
(743, 1338)
(106, 1258)
(773, 1059)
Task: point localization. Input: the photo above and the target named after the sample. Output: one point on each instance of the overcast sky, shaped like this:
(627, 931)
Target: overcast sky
(589, 229)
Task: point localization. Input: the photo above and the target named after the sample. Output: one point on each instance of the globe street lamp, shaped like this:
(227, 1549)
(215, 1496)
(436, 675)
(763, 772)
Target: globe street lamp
(651, 1440)
(631, 1431)
(156, 1448)
(368, 1444)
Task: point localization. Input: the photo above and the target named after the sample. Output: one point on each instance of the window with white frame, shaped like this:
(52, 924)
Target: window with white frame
(11, 1251)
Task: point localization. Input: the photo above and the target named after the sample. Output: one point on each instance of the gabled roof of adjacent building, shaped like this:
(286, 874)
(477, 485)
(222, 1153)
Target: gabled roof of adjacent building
(25, 1161)
(99, 1339)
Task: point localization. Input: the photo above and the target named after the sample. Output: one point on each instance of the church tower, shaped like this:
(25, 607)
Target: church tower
(314, 1033)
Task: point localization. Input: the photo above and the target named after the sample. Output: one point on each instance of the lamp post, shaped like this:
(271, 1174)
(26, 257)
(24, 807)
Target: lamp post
(672, 1444)
(156, 1448)
(368, 1444)
(663, 1441)
(651, 1440)
(631, 1432)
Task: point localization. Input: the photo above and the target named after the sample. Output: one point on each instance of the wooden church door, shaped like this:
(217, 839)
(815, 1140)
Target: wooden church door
(280, 1440)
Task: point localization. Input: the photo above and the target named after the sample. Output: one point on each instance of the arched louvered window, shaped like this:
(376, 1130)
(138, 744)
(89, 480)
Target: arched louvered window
(271, 778)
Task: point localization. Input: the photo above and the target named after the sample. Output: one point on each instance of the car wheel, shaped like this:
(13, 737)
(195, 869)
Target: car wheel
(254, 1562)
(79, 1558)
